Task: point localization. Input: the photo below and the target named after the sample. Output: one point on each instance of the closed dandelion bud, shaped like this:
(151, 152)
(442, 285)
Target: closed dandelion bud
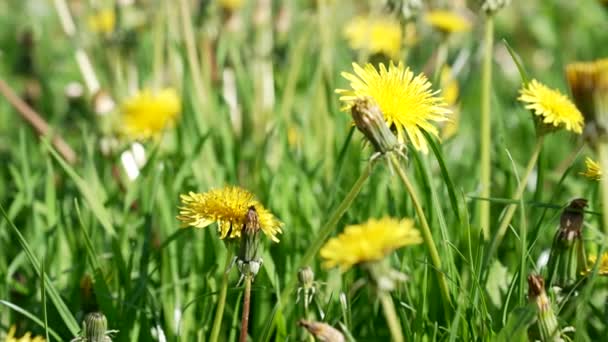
(410, 9)
(247, 261)
(546, 319)
(306, 277)
(322, 331)
(490, 7)
(567, 255)
(369, 120)
(96, 328)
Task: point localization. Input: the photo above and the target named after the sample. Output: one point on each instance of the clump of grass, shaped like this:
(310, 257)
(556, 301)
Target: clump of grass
(199, 95)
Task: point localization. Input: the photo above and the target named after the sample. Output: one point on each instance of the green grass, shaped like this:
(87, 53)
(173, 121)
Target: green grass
(63, 224)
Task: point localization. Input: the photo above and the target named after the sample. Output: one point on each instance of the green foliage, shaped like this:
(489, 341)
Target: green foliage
(84, 237)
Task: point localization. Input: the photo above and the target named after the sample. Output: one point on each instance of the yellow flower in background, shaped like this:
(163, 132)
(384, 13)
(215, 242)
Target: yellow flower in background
(146, 114)
(369, 242)
(25, 338)
(228, 207)
(447, 21)
(593, 171)
(551, 107)
(407, 102)
(603, 266)
(450, 92)
(231, 5)
(375, 35)
(585, 80)
(103, 21)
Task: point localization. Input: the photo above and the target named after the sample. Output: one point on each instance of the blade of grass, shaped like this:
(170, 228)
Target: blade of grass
(60, 305)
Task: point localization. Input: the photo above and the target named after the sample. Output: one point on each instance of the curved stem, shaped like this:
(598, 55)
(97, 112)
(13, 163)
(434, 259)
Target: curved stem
(246, 303)
(391, 317)
(506, 220)
(486, 128)
(219, 313)
(426, 230)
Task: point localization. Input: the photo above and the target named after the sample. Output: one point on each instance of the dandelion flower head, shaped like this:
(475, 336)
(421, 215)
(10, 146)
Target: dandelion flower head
(228, 207)
(603, 266)
(374, 35)
(368, 242)
(102, 22)
(551, 107)
(593, 170)
(25, 338)
(147, 113)
(447, 21)
(407, 102)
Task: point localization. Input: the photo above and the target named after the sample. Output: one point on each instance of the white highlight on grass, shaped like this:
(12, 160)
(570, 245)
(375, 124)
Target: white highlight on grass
(133, 160)
(543, 259)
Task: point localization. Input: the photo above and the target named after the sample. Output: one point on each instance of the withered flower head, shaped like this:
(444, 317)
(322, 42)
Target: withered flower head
(322, 331)
(571, 221)
(369, 120)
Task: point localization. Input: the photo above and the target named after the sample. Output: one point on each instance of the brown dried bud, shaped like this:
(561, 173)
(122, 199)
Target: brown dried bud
(547, 321)
(571, 221)
(322, 331)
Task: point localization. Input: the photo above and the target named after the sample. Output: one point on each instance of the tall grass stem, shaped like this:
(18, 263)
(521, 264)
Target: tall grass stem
(486, 127)
(221, 301)
(506, 220)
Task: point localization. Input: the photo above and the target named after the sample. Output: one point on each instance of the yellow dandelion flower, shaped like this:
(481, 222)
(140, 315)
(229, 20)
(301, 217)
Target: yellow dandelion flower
(25, 338)
(231, 5)
(450, 92)
(374, 35)
(551, 107)
(407, 102)
(147, 113)
(603, 266)
(588, 83)
(368, 242)
(102, 22)
(593, 171)
(447, 21)
(228, 207)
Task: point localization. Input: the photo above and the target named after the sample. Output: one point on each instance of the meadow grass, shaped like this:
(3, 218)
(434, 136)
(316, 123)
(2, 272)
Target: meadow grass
(259, 110)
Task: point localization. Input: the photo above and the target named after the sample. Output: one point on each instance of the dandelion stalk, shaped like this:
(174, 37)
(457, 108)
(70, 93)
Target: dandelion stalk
(486, 128)
(426, 230)
(246, 303)
(506, 220)
(221, 302)
(391, 317)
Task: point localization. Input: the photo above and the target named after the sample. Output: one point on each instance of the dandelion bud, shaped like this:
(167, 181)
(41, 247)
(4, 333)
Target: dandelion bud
(322, 331)
(490, 7)
(95, 324)
(410, 9)
(306, 277)
(547, 321)
(248, 262)
(370, 121)
(567, 256)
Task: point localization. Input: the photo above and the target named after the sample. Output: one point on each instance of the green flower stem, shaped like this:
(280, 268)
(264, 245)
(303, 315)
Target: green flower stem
(426, 230)
(602, 148)
(486, 127)
(246, 304)
(504, 224)
(391, 316)
(324, 233)
(221, 302)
